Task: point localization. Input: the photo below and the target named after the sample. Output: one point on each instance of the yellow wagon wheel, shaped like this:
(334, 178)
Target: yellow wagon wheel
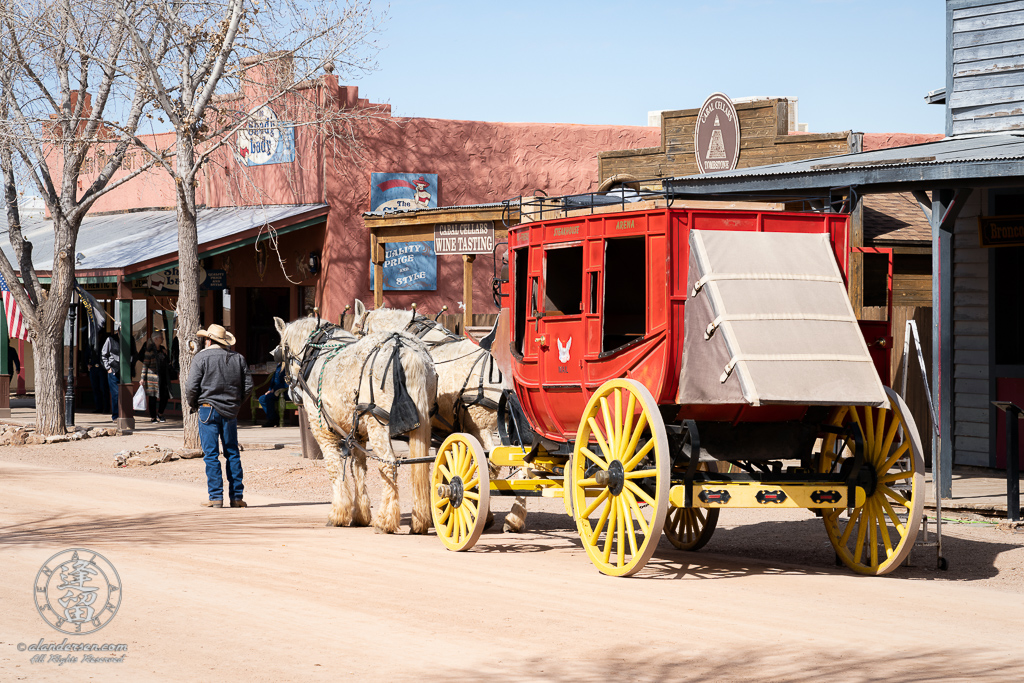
(692, 528)
(876, 537)
(460, 491)
(620, 477)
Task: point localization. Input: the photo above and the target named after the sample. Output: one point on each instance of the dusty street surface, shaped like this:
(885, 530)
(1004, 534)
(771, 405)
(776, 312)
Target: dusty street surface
(268, 593)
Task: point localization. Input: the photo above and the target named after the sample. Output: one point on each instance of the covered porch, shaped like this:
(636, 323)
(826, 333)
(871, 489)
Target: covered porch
(255, 263)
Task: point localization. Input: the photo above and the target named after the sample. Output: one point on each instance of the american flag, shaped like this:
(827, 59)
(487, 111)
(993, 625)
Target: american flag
(15, 323)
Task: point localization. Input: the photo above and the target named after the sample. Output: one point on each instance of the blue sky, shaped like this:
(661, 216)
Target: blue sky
(863, 65)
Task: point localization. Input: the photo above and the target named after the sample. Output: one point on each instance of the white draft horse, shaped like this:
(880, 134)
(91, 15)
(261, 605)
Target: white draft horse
(348, 387)
(465, 374)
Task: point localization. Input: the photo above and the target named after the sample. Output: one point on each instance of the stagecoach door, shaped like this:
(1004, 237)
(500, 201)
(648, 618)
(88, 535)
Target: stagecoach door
(561, 320)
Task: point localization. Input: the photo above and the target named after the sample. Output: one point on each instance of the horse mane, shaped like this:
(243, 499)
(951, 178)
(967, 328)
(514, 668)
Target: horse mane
(387, 319)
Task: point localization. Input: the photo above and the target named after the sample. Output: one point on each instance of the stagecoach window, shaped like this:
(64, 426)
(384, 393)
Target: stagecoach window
(625, 292)
(876, 280)
(563, 281)
(521, 297)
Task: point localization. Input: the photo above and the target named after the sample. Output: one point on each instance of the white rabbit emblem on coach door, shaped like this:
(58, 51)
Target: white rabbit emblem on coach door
(563, 351)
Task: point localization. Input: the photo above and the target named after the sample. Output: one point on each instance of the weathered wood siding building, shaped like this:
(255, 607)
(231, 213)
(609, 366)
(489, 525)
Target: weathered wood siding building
(985, 78)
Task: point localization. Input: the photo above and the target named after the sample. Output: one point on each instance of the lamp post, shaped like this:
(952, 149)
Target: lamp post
(69, 393)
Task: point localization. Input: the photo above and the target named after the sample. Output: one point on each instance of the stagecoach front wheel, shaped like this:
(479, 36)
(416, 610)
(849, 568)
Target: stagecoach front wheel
(460, 490)
(620, 475)
(876, 537)
(692, 528)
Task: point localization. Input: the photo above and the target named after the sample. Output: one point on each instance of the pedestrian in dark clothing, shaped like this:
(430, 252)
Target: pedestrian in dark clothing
(268, 401)
(13, 362)
(163, 371)
(112, 363)
(151, 371)
(217, 383)
(98, 375)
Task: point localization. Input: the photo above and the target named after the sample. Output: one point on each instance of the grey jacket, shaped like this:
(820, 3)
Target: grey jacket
(111, 354)
(220, 378)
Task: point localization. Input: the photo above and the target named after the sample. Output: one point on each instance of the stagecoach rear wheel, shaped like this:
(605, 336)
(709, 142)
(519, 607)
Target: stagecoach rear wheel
(460, 491)
(876, 537)
(620, 476)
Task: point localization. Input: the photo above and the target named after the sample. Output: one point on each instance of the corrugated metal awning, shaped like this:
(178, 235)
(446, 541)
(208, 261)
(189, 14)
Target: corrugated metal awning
(121, 241)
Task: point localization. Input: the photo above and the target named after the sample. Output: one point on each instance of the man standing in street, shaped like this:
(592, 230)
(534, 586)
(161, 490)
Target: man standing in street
(217, 382)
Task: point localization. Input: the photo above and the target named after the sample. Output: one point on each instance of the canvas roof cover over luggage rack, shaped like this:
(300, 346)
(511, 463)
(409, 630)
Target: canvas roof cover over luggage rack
(768, 321)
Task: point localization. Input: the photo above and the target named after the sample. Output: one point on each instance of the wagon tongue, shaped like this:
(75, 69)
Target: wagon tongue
(768, 320)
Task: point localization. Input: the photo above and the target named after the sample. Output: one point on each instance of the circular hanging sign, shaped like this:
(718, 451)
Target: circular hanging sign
(716, 138)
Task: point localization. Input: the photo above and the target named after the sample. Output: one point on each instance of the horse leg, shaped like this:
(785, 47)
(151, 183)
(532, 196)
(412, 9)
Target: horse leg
(389, 516)
(361, 514)
(515, 521)
(341, 499)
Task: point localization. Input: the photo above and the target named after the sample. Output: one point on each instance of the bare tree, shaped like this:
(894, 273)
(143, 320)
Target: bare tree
(259, 53)
(63, 97)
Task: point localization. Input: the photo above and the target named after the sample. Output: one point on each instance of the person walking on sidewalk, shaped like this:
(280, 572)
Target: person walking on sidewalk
(217, 383)
(268, 401)
(155, 375)
(111, 356)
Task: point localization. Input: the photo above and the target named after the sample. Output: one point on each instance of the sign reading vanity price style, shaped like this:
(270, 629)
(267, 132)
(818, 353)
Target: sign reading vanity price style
(463, 238)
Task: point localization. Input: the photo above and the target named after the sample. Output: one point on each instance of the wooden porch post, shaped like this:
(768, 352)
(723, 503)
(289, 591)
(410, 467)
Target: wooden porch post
(377, 257)
(467, 291)
(125, 392)
(856, 257)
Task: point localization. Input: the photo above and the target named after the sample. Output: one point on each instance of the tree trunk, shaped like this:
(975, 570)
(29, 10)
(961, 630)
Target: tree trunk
(48, 350)
(48, 342)
(188, 271)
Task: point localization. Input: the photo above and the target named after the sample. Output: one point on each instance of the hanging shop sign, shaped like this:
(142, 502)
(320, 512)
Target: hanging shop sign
(168, 280)
(403, 191)
(215, 279)
(408, 266)
(716, 137)
(464, 238)
(1002, 231)
(266, 139)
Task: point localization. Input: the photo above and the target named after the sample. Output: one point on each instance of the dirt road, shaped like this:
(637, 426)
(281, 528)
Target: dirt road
(268, 593)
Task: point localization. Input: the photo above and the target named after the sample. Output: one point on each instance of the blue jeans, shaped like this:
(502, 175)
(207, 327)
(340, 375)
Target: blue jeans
(213, 428)
(112, 384)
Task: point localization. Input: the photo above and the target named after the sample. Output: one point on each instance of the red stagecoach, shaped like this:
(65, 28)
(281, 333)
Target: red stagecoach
(665, 362)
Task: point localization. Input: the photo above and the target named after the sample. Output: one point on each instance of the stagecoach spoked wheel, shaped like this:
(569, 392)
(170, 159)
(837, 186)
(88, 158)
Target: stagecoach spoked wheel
(692, 528)
(877, 536)
(620, 477)
(460, 491)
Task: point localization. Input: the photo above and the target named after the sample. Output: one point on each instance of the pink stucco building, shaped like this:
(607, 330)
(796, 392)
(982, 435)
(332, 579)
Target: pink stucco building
(475, 161)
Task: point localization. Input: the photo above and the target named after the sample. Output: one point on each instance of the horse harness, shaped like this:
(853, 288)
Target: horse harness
(420, 326)
(322, 341)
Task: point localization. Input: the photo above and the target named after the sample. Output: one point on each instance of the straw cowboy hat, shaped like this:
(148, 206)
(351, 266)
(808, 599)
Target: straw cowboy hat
(217, 334)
